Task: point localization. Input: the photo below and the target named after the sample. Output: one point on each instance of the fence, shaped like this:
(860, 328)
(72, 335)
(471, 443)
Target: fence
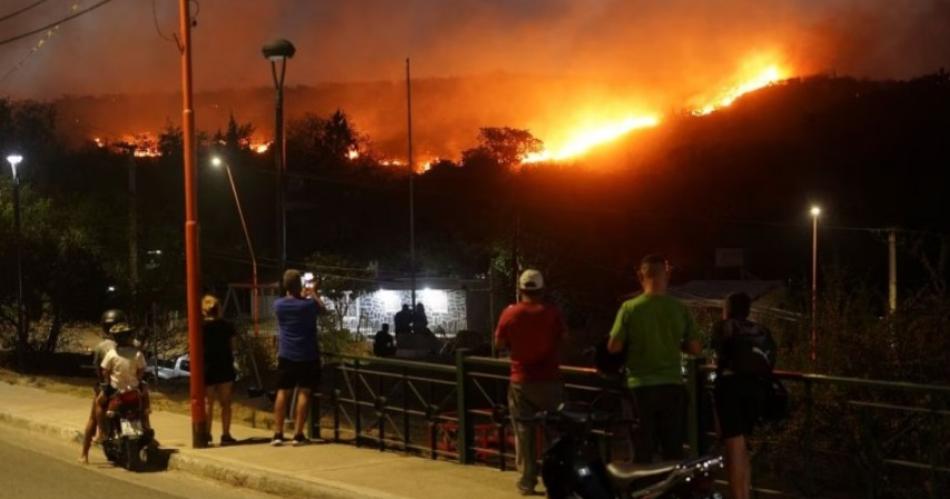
(886, 439)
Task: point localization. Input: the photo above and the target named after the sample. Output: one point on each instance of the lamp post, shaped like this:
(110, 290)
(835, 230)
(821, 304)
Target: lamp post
(815, 214)
(277, 52)
(217, 162)
(14, 160)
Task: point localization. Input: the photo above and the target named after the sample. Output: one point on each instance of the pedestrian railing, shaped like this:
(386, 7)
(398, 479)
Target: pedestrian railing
(885, 439)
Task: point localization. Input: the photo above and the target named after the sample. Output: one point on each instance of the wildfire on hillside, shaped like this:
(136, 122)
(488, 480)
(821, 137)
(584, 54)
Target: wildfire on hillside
(584, 132)
(583, 139)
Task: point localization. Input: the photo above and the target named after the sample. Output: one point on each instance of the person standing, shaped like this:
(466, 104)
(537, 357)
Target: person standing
(655, 330)
(402, 321)
(532, 330)
(745, 358)
(219, 364)
(420, 322)
(298, 354)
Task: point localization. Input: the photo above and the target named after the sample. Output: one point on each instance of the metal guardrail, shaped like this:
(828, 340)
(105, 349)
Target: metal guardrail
(458, 411)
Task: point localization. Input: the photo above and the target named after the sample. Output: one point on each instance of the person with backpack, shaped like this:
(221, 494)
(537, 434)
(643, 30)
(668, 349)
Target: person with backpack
(745, 353)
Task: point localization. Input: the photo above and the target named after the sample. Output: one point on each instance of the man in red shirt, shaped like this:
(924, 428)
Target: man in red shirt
(532, 330)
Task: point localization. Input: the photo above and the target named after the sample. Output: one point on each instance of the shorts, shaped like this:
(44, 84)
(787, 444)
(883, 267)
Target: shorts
(217, 375)
(738, 404)
(292, 374)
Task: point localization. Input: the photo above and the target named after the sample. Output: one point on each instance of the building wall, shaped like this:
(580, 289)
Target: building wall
(444, 308)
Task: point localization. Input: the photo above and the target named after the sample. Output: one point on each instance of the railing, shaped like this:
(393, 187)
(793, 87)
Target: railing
(881, 435)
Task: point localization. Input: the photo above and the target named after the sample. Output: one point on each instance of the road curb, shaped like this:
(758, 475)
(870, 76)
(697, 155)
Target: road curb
(234, 474)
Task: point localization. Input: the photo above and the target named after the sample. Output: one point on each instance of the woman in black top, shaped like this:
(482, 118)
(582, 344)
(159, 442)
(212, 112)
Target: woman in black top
(744, 357)
(219, 364)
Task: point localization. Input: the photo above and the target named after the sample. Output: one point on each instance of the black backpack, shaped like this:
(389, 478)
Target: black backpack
(745, 347)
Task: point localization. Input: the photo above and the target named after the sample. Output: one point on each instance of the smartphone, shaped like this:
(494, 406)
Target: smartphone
(308, 280)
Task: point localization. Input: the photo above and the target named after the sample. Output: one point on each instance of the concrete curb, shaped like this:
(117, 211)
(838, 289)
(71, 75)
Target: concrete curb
(234, 474)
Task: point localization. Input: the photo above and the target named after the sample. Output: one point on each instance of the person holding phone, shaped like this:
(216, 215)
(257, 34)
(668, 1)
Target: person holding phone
(298, 352)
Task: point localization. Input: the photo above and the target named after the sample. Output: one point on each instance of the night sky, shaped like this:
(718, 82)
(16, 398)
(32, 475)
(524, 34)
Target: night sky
(675, 44)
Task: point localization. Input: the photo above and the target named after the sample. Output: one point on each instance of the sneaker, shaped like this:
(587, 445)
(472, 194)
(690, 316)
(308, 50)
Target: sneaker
(300, 439)
(227, 440)
(278, 440)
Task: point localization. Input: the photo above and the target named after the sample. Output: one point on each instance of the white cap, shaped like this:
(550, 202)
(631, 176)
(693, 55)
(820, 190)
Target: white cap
(531, 280)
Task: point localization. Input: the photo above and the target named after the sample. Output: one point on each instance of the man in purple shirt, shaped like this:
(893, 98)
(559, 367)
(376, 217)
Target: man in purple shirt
(298, 353)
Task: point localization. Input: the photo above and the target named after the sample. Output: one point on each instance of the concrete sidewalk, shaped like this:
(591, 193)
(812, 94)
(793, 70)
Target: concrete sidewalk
(318, 470)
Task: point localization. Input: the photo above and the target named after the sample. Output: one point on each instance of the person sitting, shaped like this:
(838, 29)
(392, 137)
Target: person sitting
(109, 319)
(384, 345)
(124, 367)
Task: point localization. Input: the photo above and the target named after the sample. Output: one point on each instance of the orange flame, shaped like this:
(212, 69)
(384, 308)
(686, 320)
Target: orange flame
(583, 140)
(769, 75)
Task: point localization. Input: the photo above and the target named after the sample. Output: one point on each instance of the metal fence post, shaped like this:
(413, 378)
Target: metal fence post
(464, 435)
(807, 440)
(695, 393)
(358, 420)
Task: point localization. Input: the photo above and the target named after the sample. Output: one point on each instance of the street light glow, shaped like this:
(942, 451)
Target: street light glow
(815, 211)
(14, 159)
(216, 161)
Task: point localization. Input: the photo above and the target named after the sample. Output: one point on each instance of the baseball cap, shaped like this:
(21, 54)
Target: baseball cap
(531, 280)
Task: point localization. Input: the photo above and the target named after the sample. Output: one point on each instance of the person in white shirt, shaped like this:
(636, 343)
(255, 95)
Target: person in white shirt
(124, 367)
(109, 319)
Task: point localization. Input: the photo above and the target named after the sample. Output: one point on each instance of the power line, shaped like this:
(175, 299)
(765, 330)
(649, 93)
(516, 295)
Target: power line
(48, 36)
(22, 10)
(54, 24)
(158, 29)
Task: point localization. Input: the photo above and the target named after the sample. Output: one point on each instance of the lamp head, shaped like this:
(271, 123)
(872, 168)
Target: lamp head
(278, 49)
(815, 211)
(14, 160)
(216, 161)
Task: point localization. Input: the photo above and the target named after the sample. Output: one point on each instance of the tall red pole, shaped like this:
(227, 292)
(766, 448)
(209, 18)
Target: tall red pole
(199, 424)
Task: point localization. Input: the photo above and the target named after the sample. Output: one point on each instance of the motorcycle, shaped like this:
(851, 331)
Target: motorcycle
(572, 466)
(128, 443)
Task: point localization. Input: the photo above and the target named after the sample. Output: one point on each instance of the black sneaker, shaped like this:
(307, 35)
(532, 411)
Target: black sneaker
(526, 491)
(300, 439)
(227, 440)
(278, 440)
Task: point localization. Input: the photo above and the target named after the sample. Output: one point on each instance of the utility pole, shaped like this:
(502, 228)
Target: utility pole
(412, 193)
(133, 232)
(491, 308)
(515, 242)
(199, 423)
(815, 213)
(892, 271)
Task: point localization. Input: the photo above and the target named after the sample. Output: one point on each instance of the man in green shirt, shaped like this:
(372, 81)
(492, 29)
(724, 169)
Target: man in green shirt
(655, 330)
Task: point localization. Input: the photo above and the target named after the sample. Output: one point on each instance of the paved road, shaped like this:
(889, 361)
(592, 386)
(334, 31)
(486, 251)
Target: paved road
(34, 466)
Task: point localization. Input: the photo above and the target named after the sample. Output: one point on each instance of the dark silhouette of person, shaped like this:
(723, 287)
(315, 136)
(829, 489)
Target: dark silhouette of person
(420, 323)
(384, 345)
(403, 320)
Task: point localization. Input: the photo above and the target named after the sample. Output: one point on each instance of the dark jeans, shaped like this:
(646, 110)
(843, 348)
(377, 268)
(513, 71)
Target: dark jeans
(661, 410)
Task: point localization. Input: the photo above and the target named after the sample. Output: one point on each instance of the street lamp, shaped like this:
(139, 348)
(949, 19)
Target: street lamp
(15, 160)
(278, 51)
(217, 162)
(815, 214)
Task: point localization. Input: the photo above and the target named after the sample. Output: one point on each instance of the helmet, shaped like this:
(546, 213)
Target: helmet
(110, 318)
(121, 331)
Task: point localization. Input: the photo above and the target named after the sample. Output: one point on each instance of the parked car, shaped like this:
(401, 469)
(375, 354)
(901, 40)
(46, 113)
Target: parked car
(177, 368)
